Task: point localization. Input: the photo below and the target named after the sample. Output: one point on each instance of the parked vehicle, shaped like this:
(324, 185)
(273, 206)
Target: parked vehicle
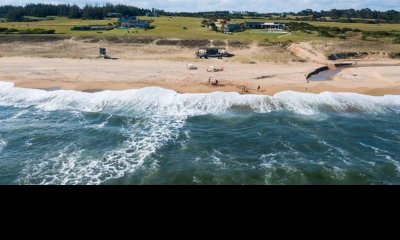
(212, 53)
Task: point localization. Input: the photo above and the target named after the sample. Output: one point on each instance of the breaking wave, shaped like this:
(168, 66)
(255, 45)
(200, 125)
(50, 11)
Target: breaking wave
(154, 100)
(161, 115)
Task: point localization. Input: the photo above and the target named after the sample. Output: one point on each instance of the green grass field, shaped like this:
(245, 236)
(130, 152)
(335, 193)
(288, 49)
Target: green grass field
(173, 27)
(61, 25)
(361, 26)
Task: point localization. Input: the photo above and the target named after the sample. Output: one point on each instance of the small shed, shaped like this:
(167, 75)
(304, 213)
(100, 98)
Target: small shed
(103, 52)
(133, 22)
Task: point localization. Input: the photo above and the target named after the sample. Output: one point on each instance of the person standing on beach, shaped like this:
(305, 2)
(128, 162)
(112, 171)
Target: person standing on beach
(259, 88)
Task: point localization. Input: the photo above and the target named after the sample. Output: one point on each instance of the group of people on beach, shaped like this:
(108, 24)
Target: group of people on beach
(244, 88)
(213, 83)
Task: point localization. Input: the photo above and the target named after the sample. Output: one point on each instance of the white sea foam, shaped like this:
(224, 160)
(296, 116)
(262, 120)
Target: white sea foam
(19, 114)
(376, 150)
(101, 125)
(396, 163)
(3, 144)
(384, 154)
(72, 166)
(337, 150)
(386, 140)
(277, 160)
(196, 180)
(155, 100)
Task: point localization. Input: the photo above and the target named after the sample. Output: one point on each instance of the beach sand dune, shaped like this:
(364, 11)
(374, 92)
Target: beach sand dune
(149, 65)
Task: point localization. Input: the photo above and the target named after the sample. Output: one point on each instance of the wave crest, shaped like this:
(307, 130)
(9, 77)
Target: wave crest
(154, 100)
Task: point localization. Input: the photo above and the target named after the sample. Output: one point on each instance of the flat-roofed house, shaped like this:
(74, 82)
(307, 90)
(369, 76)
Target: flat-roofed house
(233, 27)
(265, 25)
(254, 25)
(133, 22)
(273, 26)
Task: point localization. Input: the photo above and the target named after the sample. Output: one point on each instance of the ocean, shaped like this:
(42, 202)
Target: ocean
(158, 136)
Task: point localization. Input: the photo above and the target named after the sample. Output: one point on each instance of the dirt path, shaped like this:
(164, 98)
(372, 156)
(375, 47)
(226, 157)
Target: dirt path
(285, 35)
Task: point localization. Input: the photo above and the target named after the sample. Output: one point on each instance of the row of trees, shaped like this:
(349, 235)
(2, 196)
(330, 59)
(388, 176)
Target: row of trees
(17, 13)
(390, 16)
(366, 13)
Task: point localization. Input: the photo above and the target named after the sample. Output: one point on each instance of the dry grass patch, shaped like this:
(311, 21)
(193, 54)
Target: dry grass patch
(242, 59)
(31, 38)
(219, 43)
(191, 43)
(275, 54)
(335, 47)
(238, 44)
(181, 59)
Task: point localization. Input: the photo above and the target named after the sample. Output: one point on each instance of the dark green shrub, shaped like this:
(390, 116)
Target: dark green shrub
(37, 31)
(325, 33)
(237, 44)
(219, 43)
(301, 26)
(194, 42)
(11, 30)
(347, 30)
(395, 55)
(167, 42)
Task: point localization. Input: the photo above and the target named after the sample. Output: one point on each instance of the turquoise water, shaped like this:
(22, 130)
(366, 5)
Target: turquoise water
(157, 136)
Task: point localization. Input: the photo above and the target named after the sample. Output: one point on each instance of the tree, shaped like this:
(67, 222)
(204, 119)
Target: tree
(90, 12)
(15, 15)
(75, 12)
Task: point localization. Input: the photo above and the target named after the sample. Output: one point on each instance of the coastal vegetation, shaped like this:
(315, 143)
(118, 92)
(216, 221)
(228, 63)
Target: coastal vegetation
(194, 28)
(26, 31)
(189, 29)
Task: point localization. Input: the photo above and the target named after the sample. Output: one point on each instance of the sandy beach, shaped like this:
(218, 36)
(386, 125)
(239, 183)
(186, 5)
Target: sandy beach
(166, 67)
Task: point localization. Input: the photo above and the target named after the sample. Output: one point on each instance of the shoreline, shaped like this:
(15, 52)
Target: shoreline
(363, 91)
(383, 92)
